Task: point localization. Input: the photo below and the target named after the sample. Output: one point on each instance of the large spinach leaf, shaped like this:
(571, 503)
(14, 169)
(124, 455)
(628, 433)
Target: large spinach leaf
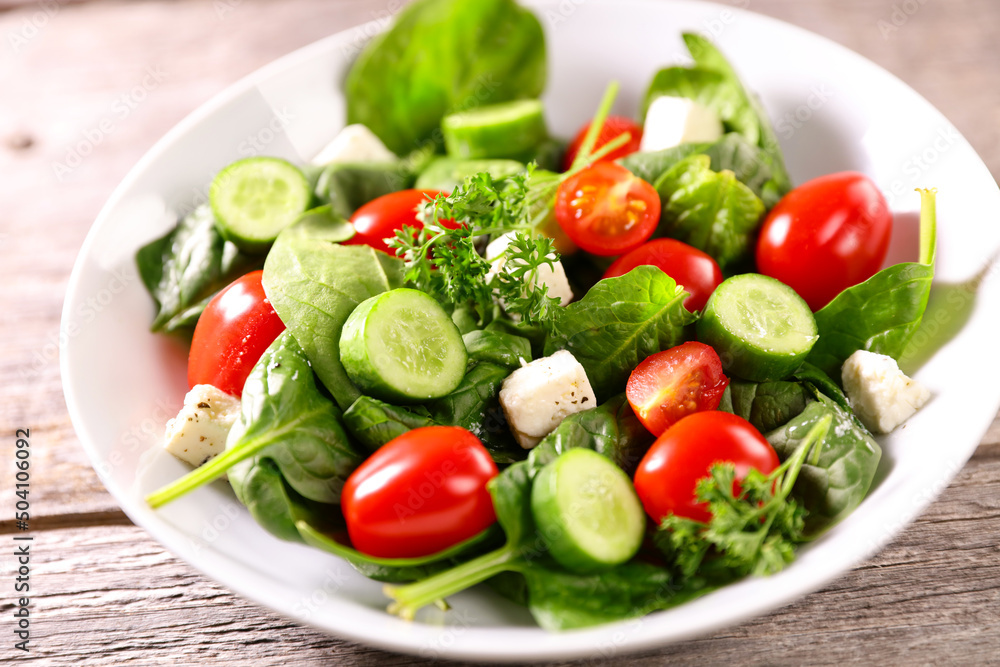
(620, 322)
(184, 269)
(611, 429)
(315, 283)
(442, 56)
(497, 347)
(709, 210)
(373, 422)
(879, 315)
(838, 473)
(347, 186)
(475, 405)
(286, 419)
(768, 405)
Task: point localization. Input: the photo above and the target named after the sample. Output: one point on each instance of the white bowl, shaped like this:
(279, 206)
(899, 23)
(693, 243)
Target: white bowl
(834, 111)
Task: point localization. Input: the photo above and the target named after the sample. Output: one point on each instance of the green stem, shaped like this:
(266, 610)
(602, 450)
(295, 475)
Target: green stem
(928, 225)
(212, 470)
(584, 156)
(409, 599)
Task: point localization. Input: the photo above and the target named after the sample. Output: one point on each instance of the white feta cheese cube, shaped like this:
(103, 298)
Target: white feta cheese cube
(672, 121)
(881, 394)
(199, 430)
(355, 143)
(553, 277)
(538, 396)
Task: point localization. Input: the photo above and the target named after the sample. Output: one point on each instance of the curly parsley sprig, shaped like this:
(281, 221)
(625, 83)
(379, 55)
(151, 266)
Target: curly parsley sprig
(442, 258)
(752, 532)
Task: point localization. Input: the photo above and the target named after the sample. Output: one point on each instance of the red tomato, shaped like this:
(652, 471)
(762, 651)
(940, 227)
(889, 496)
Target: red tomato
(380, 218)
(613, 126)
(667, 475)
(606, 209)
(420, 493)
(825, 236)
(674, 383)
(693, 269)
(238, 324)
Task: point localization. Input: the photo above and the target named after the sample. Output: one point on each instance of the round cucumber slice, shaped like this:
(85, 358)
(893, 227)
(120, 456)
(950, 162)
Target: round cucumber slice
(588, 510)
(509, 130)
(760, 327)
(254, 199)
(402, 346)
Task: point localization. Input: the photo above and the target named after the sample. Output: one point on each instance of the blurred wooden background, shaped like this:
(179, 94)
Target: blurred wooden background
(107, 593)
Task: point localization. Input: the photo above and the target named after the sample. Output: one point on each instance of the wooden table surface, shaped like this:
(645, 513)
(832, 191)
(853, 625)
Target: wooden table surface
(104, 592)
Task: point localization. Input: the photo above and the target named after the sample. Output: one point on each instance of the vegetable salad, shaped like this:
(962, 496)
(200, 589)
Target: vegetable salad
(605, 376)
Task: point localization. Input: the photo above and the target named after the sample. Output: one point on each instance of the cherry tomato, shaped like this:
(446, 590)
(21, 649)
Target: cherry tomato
(667, 475)
(381, 217)
(613, 126)
(693, 269)
(825, 236)
(238, 324)
(420, 493)
(606, 209)
(674, 383)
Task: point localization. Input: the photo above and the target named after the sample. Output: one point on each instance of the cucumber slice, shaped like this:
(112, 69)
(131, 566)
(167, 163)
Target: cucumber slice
(447, 173)
(508, 130)
(760, 327)
(402, 346)
(588, 510)
(254, 199)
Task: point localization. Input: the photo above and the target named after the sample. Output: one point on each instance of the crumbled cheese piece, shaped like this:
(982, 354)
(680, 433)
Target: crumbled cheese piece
(881, 395)
(671, 121)
(553, 277)
(538, 396)
(355, 143)
(200, 429)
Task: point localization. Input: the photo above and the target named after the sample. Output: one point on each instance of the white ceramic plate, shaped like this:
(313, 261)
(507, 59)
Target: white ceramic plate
(833, 110)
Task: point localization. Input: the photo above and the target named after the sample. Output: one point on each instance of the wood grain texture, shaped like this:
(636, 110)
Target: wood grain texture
(107, 592)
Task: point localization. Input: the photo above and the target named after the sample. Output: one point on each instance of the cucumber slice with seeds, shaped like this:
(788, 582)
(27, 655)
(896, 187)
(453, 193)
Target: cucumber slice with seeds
(760, 327)
(508, 130)
(255, 198)
(402, 346)
(588, 510)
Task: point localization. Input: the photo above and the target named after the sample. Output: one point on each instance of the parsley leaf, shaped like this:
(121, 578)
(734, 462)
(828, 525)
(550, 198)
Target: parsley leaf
(752, 532)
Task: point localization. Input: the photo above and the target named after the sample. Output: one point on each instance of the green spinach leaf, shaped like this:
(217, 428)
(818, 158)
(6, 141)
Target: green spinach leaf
(184, 269)
(441, 56)
(709, 210)
(879, 315)
(768, 405)
(837, 475)
(373, 423)
(475, 405)
(497, 347)
(712, 89)
(314, 284)
(611, 429)
(346, 186)
(620, 322)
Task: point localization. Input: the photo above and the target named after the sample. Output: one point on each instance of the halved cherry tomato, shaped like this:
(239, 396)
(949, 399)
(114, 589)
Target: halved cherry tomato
(381, 217)
(667, 475)
(691, 268)
(613, 126)
(674, 383)
(238, 324)
(420, 493)
(606, 209)
(825, 236)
